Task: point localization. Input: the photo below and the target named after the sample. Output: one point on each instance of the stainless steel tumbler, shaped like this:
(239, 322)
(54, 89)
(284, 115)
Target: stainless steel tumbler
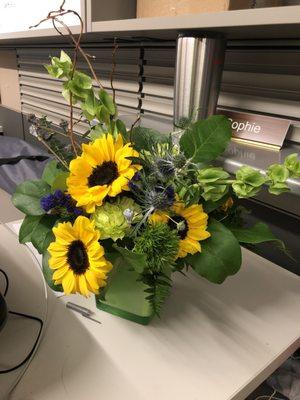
(199, 65)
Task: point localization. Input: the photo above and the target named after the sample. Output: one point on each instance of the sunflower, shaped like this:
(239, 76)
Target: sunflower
(77, 257)
(190, 223)
(102, 170)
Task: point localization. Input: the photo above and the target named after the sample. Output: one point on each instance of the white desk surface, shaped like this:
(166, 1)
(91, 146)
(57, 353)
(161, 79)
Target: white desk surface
(212, 342)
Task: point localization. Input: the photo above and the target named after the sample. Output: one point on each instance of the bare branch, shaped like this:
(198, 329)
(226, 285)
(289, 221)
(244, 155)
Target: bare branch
(114, 64)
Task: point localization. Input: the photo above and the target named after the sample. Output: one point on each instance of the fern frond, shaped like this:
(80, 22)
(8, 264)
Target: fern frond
(158, 291)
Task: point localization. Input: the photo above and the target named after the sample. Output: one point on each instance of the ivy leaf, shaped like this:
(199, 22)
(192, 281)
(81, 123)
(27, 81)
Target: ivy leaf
(42, 234)
(220, 256)
(28, 225)
(47, 272)
(205, 140)
(137, 261)
(27, 196)
(107, 101)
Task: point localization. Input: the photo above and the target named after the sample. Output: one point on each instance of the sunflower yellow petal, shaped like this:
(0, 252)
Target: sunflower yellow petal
(68, 282)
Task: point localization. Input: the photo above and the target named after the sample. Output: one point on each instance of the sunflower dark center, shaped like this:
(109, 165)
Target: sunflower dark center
(179, 223)
(77, 257)
(103, 174)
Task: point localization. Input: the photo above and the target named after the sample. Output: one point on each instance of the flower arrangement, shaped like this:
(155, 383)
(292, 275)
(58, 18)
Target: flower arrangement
(120, 213)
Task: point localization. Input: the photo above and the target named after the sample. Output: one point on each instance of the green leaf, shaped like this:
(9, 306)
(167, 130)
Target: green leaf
(96, 132)
(76, 90)
(258, 233)
(137, 261)
(42, 234)
(90, 105)
(64, 57)
(107, 101)
(50, 172)
(145, 138)
(220, 256)
(205, 140)
(28, 225)
(293, 165)
(82, 80)
(122, 129)
(210, 205)
(60, 182)
(47, 272)
(27, 196)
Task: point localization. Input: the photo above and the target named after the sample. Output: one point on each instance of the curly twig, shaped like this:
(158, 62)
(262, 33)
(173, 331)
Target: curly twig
(54, 17)
(114, 64)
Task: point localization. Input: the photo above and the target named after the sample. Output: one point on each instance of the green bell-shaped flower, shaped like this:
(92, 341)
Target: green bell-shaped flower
(293, 165)
(211, 179)
(248, 182)
(277, 174)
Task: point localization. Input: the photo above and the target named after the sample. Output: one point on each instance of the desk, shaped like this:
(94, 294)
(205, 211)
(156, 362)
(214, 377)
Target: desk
(212, 342)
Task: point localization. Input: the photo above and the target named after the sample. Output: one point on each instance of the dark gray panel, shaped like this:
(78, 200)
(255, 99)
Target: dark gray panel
(12, 122)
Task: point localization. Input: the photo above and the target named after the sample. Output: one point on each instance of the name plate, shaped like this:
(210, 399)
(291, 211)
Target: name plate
(257, 129)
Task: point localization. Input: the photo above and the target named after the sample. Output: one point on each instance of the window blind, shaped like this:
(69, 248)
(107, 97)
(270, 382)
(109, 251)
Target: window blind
(258, 77)
(158, 86)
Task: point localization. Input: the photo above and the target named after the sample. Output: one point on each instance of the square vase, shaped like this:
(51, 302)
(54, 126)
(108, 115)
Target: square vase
(125, 297)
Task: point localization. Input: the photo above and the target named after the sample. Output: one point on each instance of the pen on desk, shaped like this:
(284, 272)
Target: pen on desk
(85, 312)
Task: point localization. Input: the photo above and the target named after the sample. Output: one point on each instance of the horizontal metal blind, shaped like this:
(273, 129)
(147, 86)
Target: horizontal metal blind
(158, 86)
(41, 94)
(262, 79)
(258, 78)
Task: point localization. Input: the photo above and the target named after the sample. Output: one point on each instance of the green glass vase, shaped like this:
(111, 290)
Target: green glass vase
(125, 296)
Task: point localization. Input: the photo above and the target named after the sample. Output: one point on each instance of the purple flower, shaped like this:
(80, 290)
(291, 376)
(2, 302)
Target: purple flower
(59, 200)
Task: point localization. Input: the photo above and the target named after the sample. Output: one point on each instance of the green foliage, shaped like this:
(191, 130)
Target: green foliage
(248, 182)
(27, 196)
(28, 226)
(42, 234)
(293, 165)
(160, 245)
(47, 272)
(158, 291)
(38, 230)
(121, 127)
(51, 172)
(211, 180)
(277, 174)
(220, 255)
(137, 261)
(205, 140)
(145, 138)
(258, 233)
(210, 205)
(107, 102)
(64, 152)
(60, 67)
(60, 181)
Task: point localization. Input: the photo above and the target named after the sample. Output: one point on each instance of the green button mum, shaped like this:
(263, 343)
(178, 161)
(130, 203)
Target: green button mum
(113, 220)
